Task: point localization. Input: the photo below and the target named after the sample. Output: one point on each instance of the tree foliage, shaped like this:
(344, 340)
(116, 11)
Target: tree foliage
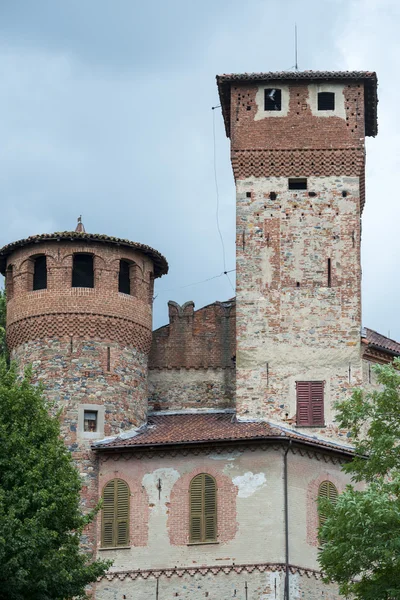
(3, 349)
(40, 518)
(361, 550)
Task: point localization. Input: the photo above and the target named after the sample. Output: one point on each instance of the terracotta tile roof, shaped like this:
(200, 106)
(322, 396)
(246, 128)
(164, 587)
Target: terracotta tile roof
(174, 429)
(369, 79)
(380, 341)
(160, 263)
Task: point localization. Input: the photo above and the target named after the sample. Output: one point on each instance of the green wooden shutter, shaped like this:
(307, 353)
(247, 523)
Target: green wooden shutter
(329, 492)
(115, 517)
(203, 509)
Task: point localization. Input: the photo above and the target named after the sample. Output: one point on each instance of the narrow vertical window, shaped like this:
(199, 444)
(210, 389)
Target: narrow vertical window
(310, 402)
(327, 491)
(108, 358)
(115, 514)
(39, 273)
(203, 509)
(329, 272)
(10, 282)
(124, 281)
(82, 271)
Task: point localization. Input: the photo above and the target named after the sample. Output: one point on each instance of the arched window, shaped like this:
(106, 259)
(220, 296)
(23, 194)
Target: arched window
(327, 491)
(115, 514)
(39, 273)
(82, 271)
(124, 280)
(10, 282)
(326, 101)
(203, 509)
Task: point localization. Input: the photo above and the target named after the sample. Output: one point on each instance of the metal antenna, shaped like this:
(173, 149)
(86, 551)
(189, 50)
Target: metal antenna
(296, 66)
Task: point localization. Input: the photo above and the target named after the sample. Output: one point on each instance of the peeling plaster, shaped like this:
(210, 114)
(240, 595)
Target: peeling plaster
(225, 455)
(249, 483)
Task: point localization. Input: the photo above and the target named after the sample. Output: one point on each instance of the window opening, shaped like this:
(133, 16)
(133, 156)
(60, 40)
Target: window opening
(310, 403)
(203, 509)
(272, 99)
(124, 281)
(90, 421)
(39, 273)
(82, 271)
(10, 281)
(326, 101)
(108, 358)
(327, 491)
(115, 514)
(329, 273)
(298, 183)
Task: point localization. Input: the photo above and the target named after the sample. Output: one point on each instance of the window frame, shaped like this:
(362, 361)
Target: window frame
(113, 517)
(202, 514)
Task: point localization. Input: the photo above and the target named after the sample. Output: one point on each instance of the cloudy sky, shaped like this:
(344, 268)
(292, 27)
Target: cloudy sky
(106, 112)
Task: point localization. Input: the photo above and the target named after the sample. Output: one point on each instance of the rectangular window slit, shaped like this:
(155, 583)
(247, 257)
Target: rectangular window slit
(297, 183)
(329, 273)
(272, 99)
(108, 358)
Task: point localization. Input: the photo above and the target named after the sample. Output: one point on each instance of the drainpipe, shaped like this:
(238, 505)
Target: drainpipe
(285, 488)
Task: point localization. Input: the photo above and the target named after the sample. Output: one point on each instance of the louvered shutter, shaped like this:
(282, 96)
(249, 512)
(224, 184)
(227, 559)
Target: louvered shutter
(317, 402)
(303, 402)
(107, 533)
(203, 509)
(210, 509)
(115, 518)
(328, 491)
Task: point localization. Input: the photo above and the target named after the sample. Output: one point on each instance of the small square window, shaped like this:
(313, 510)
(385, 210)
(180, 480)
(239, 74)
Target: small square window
(272, 99)
(326, 101)
(90, 421)
(298, 183)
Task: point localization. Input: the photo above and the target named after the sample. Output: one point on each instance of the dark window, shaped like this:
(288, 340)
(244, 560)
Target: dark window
(272, 99)
(203, 509)
(90, 421)
(329, 273)
(124, 282)
(115, 514)
(326, 101)
(82, 271)
(310, 402)
(298, 183)
(40, 273)
(10, 282)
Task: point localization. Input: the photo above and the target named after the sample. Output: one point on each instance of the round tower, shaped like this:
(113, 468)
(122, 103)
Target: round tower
(79, 310)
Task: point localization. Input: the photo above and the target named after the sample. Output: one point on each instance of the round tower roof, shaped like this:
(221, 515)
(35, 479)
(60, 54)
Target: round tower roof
(160, 263)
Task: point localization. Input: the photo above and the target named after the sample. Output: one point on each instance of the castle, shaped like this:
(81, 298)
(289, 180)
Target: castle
(211, 438)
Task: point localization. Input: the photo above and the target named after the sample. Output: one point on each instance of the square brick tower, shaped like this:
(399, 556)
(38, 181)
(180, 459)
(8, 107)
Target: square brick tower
(298, 158)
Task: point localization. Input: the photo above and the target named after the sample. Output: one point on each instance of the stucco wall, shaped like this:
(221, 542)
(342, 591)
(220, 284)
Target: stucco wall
(250, 521)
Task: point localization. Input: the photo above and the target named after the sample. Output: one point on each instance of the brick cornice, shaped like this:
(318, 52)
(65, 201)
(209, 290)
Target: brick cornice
(209, 569)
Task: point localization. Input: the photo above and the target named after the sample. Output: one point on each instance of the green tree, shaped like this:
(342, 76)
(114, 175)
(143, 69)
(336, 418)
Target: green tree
(40, 517)
(361, 550)
(3, 349)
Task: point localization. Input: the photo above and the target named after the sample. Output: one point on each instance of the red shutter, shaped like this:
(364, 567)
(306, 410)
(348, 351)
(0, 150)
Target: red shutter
(303, 402)
(317, 402)
(310, 402)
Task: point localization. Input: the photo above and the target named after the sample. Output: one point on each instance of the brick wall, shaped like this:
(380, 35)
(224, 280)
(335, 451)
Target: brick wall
(191, 362)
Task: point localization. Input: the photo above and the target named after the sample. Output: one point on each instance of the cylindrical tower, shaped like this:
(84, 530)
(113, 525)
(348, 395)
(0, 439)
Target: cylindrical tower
(79, 310)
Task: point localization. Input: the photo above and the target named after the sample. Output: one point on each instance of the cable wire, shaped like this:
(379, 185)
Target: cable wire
(198, 282)
(217, 193)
